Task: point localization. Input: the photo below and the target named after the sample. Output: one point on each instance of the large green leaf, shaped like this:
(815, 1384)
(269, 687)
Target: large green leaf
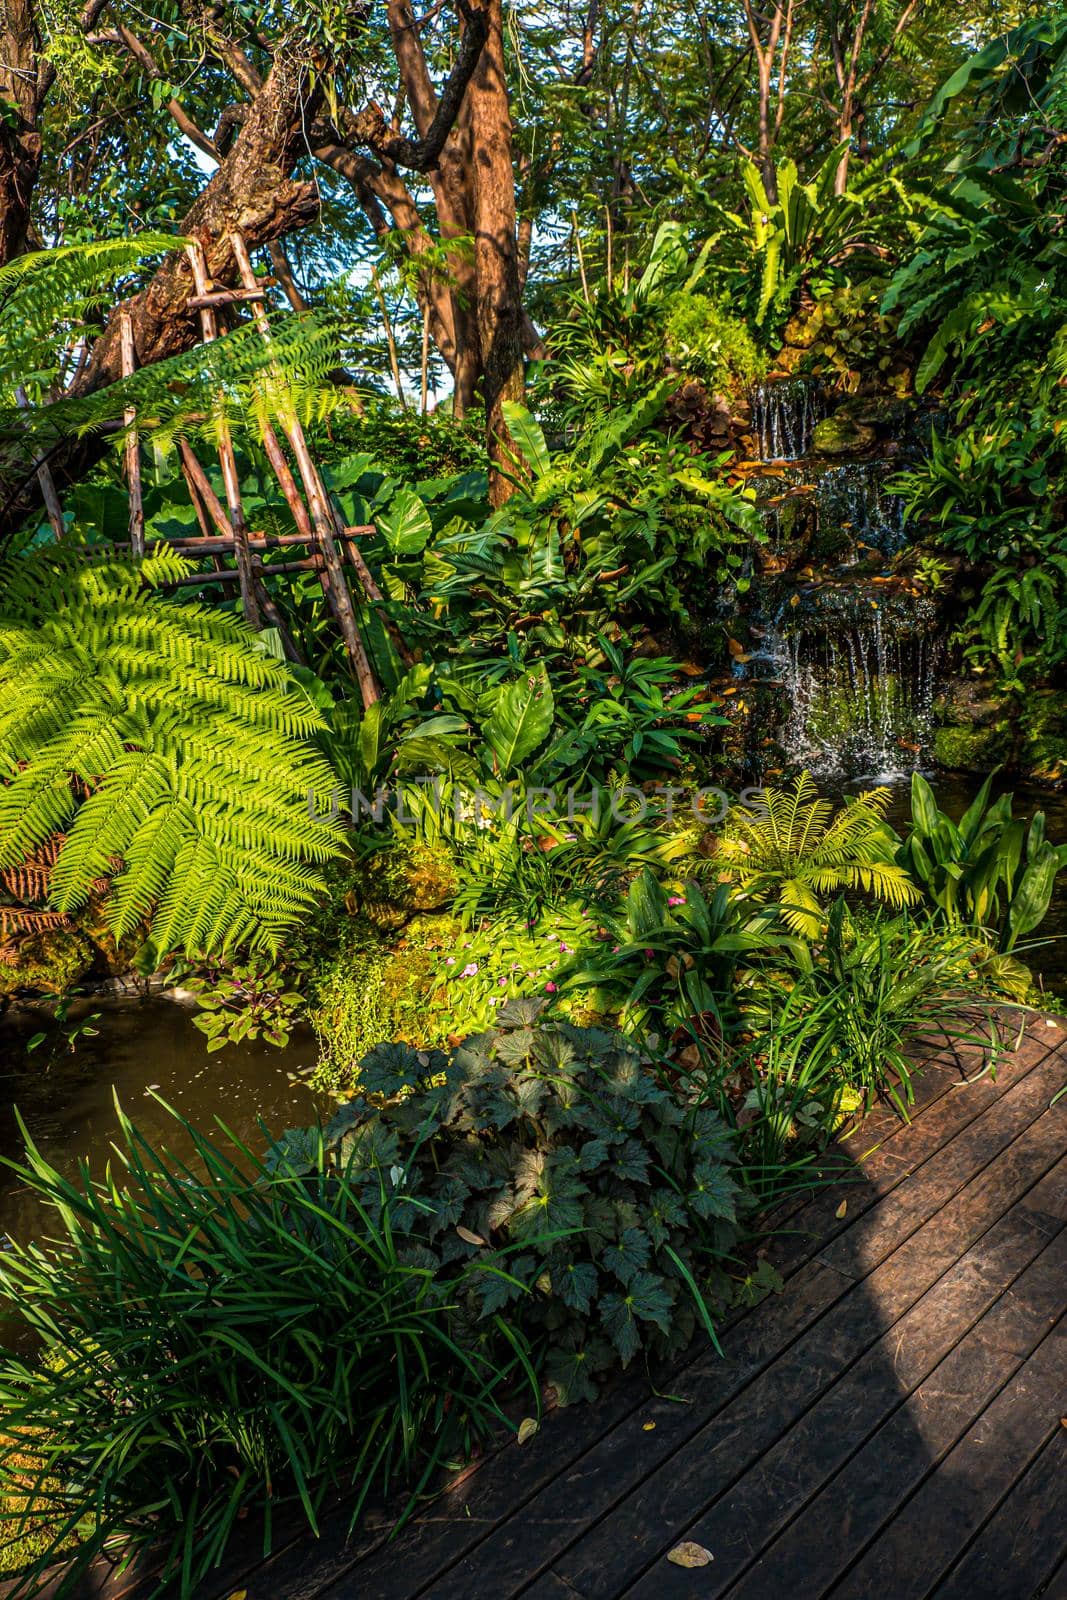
(521, 718)
(406, 526)
(526, 434)
(1031, 902)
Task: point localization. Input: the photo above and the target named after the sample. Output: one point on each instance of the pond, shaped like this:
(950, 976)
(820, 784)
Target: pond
(141, 1048)
(67, 1100)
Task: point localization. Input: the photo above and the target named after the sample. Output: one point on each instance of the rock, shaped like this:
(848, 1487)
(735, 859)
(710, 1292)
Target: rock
(841, 435)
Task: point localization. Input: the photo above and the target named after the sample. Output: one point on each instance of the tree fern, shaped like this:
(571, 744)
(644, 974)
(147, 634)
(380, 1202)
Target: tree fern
(795, 850)
(49, 297)
(165, 745)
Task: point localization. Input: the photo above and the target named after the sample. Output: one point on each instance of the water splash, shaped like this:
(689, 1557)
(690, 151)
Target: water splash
(854, 497)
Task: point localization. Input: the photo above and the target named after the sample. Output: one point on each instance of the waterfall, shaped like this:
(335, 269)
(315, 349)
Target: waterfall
(854, 497)
(841, 655)
(860, 694)
(784, 414)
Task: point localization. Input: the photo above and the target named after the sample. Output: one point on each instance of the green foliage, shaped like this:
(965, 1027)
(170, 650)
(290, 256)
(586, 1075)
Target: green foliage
(219, 1340)
(794, 850)
(546, 1167)
(50, 299)
(665, 962)
(244, 1001)
(809, 238)
(895, 983)
(704, 339)
(991, 871)
(164, 745)
(985, 293)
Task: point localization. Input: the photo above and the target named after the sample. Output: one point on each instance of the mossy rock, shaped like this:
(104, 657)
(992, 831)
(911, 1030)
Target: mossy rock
(971, 749)
(842, 436)
(1044, 735)
(46, 963)
(394, 885)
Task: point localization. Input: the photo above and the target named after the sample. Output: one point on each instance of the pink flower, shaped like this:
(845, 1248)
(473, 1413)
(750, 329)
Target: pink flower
(550, 988)
(567, 951)
(470, 969)
(450, 961)
(614, 949)
(501, 981)
(649, 954)
(676, 900)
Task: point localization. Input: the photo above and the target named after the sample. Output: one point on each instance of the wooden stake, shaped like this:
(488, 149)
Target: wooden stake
(374, 594)
(44, 478)
(200, 484)
(227, 460)
(321, 514)
(425, 387)
(132, 448)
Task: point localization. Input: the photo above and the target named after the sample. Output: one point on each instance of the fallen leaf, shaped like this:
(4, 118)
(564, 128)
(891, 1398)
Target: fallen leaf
(735, 647)
(688, 1554)
(468, 1237)
(842, 1208)
(527, 1428)
(238, 1594)
(794, 599)
(648, 1426)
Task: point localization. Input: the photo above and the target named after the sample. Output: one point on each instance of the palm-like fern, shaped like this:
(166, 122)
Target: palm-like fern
(794, 850)
(164, 744)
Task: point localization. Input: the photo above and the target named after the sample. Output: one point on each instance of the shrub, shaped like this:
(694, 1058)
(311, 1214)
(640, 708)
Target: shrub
(705, 339)
(880, 987)
(544, 1171)
(217, 1342)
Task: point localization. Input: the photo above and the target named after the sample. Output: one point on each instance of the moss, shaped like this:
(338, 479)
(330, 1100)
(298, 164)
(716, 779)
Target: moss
(841, 435)
(971, 749)
(393, 885)
(373, 988)
(1043, 752)
(46, 963)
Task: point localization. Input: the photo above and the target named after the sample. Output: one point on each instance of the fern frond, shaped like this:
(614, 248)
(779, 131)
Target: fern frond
(165, 744)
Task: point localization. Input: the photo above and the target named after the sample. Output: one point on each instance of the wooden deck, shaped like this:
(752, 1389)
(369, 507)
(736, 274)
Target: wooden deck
(887, 1428)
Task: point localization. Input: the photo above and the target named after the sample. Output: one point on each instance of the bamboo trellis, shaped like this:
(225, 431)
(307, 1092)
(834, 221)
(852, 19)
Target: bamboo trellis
(321, 530)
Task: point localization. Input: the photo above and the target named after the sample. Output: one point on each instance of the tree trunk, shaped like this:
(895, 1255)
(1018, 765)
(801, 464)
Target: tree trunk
(496, 253)
(251, 191)
(20, 143)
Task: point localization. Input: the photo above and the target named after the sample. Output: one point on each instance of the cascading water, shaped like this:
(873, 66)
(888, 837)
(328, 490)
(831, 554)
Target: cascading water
(860, 695)
(784, 414)
(854, 498)
(843, 646)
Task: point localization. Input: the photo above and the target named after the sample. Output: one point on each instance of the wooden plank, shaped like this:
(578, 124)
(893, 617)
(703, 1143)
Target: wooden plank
(663, 1503)
(1026, 1537)
(777, 1320)
(877, 1488)
(795, 1470)
(577, 1493)
(936, 1524)
(1056, 1588)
